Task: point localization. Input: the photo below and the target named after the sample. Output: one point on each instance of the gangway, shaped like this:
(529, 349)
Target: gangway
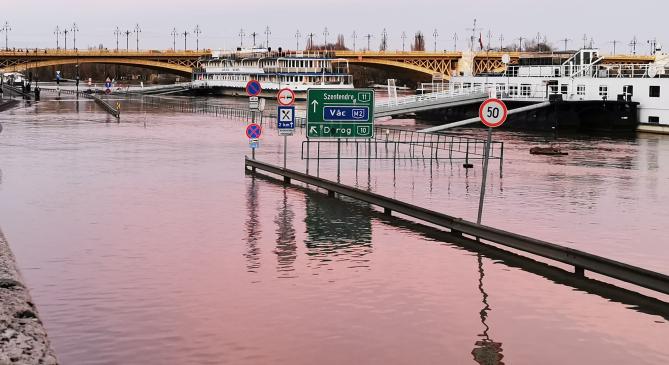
(437, 100)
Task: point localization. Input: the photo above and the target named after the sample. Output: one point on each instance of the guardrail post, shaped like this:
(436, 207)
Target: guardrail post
(579, 271)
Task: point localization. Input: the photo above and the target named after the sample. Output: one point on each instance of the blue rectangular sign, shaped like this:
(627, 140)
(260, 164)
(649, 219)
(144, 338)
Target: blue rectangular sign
(285, 117)
(345, 113)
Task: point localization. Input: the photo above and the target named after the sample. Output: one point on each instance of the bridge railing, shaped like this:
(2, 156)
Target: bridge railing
(448, 92)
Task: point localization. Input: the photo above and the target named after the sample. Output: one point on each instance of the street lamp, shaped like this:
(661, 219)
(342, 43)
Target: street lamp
(435, 34)
(267, 34)
(185, 34)
(297, 37)
(137, 31)
(75, 29)
(174, 39)
(117, 32)
(241, 38)
(57, 33)
(5, 28)
(197, 32)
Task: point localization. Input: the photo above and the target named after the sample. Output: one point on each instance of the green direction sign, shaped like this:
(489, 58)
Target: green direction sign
(340, 113)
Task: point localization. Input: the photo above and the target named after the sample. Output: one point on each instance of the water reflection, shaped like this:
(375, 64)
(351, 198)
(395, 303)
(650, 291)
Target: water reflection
(337, 230)
(253, 231)
(286, 245)
(487, 351)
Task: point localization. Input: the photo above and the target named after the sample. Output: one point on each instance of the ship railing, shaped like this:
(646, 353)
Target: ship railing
(635, 70)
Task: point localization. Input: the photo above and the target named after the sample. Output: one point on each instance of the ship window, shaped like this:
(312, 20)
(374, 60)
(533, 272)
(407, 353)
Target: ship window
(580, 89)
(604, 91)
(513, 89)
(525, 89)
(654, 91)
(564, 89)
(653, 120)
(628, 90)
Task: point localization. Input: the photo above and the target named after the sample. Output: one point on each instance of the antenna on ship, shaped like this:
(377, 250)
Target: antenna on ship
(653, 45)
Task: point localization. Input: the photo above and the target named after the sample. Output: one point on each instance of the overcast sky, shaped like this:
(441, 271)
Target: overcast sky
(33, 22)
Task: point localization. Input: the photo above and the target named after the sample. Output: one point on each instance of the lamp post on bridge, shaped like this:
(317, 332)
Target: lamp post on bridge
(174, 39)
(185, 34)
(65, 33)
(5, 28)
(117, 33)
(435, 34)
(369, 43)
(325, 35)
(197, 32)
(268, 32)
(127, 40)
(57, 33)
(297, 37)
(355, 36)
(137, 31)
(75, 29)
(404, 38)
(455, 42)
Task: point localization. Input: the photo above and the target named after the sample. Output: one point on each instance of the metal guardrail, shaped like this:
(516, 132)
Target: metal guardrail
(580, 260)
(116, 112)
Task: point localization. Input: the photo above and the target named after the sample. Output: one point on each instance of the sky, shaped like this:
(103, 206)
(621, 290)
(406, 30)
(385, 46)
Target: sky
(33, 22)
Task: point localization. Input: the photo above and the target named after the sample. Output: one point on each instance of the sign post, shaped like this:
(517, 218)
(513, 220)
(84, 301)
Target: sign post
(253, 132)
(493, 113)
(285, 115)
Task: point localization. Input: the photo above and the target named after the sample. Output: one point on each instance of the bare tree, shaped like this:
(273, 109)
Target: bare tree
(419, 42)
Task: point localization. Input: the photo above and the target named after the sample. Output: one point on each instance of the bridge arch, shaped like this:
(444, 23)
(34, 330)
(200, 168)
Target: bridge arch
(175, 68)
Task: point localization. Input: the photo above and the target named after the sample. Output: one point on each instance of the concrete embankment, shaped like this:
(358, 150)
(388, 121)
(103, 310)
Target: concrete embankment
(23, 339)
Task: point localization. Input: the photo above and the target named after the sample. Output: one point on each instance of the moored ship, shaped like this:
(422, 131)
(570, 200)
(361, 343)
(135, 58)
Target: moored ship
(227, 73)
(587, 92)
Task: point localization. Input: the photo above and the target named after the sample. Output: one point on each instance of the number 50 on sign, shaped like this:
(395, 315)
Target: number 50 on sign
(493, 113)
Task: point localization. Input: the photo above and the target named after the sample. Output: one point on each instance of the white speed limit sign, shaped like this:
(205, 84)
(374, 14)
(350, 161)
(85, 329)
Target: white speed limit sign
(493, 113)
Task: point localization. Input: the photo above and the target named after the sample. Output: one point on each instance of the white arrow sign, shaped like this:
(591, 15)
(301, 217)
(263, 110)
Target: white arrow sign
(315, 104)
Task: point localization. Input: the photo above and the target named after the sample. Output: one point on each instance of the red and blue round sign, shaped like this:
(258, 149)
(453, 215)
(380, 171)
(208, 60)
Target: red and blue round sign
(253, 88)
(253, 131)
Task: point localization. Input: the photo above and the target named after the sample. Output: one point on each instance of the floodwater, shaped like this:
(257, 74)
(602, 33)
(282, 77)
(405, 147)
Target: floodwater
(144, 242)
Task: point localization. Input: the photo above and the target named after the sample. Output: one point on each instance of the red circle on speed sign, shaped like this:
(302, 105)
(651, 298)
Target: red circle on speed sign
(285, 97)
(493, 112)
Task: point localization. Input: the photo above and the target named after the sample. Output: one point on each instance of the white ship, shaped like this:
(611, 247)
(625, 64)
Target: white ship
(584, 77)
(227, 73)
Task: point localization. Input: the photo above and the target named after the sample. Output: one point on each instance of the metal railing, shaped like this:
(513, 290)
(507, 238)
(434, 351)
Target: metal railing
(448, 92)
(580, 260)
(637, 70)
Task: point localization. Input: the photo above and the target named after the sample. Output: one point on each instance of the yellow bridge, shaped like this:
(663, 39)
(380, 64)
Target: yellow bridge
(421, 64)
(447, 64)
(176, 62)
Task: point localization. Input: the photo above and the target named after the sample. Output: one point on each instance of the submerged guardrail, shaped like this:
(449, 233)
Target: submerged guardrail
(580, 260)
